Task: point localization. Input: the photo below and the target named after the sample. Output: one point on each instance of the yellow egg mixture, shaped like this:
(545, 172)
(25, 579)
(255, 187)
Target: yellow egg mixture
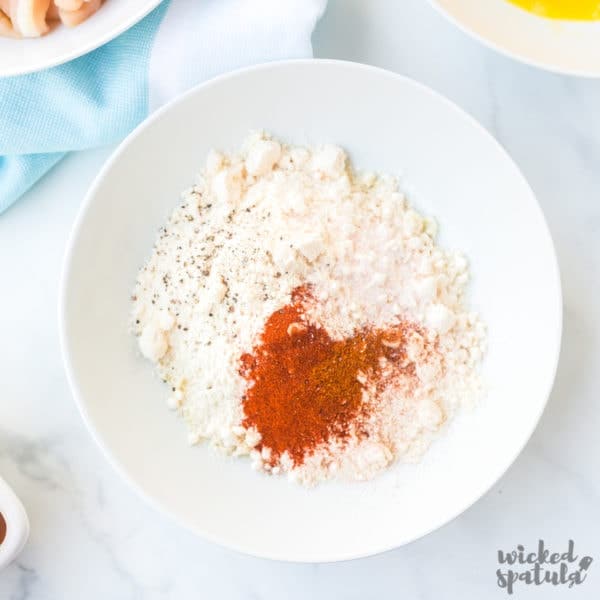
(582, 10)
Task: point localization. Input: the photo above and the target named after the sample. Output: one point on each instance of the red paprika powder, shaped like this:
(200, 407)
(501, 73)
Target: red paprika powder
(303, 387)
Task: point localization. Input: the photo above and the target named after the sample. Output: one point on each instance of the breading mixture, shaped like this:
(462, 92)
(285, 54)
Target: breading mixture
(303, 315)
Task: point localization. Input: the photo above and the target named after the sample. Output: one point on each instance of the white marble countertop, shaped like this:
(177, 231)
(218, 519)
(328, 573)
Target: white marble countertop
(93, 538)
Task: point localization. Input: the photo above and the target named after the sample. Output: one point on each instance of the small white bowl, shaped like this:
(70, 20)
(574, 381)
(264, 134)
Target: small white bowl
(459, 173)
(17, 525)
(20, 56)
(567, 47)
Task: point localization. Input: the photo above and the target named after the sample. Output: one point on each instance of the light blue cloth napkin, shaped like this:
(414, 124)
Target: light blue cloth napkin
(98, 98)
(93, 100)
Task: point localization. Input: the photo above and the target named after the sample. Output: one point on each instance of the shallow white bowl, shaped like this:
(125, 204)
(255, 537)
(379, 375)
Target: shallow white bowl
(568, 47)
(20, 56)
(457, 172)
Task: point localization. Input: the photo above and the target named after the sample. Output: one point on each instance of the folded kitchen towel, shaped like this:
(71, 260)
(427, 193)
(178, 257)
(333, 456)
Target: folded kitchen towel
(98, 98)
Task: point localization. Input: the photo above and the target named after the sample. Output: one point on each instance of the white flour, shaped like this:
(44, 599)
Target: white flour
(256, 226)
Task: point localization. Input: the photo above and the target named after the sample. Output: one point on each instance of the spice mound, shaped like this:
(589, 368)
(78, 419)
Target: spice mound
(303, 315)
(308, 390)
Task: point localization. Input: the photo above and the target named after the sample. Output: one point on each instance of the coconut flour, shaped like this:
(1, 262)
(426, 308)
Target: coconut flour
(272, 219)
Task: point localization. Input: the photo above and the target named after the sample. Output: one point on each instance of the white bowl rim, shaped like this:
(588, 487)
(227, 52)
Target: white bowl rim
(95, 43)
(504, 51)
(65, 278)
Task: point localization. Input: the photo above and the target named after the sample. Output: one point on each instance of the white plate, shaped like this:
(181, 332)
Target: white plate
(459, 173)
(568, 47)
(20, 56)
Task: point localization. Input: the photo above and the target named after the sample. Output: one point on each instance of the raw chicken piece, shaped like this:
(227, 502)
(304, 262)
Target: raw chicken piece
(69, 4)
(71, 18)
(52, 14)
(29, 16)
(6, 28)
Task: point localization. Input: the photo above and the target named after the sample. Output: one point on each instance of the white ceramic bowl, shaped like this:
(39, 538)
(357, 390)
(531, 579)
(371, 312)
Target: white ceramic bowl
(19, 56)
(16, 523)
(458, 173)
(568, 47)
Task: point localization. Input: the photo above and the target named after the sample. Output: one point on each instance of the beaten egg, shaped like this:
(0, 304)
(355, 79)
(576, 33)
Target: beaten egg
(582, 10)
